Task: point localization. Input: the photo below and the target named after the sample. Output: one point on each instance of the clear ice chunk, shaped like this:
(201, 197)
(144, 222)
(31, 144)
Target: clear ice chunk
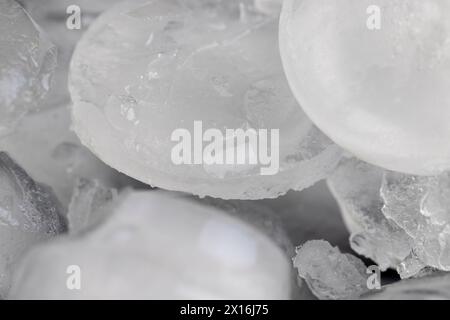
(145, 69)
(330, 274)
(27, 62)
(29, 213)
(159, 245)
(356, 187)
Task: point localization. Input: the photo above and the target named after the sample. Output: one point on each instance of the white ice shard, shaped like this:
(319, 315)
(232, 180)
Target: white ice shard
(159, 245)
(51, 153)
(58, 18)
(27, 62)
(146, 69)
(329, 273)
(356, 187)
(374, 77)
(29, 213)
(432, 287)
(420, 205)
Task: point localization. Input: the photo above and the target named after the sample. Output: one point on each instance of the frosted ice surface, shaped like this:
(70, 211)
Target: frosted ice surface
(433, 287)
(88, 204)
(356, 187)
(329, 273)
(160, 245)
(145, 69)
(257, 215)
(420, 205)
(52, 16)
(27, 62)
(379, 90)
(51, 153)
(29, 213)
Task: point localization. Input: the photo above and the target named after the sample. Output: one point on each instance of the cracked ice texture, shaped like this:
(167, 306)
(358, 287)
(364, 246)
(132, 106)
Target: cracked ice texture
(420, 205)
(27, 62)
(29, 213)
(158, 245)
(399, 221)
(329, 273)
(356, 187)
(381, 94)
(145, 69)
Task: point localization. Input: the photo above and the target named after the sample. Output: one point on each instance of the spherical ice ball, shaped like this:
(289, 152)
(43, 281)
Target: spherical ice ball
(374, 76)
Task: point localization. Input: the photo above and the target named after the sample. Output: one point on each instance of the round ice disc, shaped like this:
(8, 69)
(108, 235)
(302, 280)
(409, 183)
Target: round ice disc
(374, 78)
(148, 73)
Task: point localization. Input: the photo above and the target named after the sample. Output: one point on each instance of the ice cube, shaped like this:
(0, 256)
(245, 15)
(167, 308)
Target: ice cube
(329, 273)
(356, 187)
(163, 246)
(27, 62)
(146, 69)
(29, 213)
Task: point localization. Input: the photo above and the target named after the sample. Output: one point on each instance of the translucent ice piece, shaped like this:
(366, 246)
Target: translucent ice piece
(27, 62)
(329, 273)
(51, 153)
(145, 69)
(29, 213)
(161, 246)
(374, 77)
(53, 16)
(356, 187)
(88, 205)
(433, 287)
(420, 205)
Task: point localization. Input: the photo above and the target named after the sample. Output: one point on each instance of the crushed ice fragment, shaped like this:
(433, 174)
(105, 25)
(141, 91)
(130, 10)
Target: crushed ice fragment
(356, 187)
(27, 63)
(419, 205)
(52, 16)
(329, 273)
(29, 213)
